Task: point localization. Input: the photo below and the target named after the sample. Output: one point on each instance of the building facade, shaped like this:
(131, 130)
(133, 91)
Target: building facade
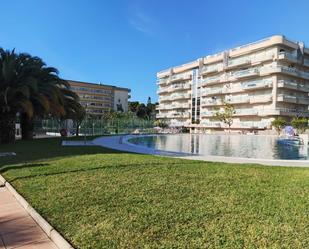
(262, 80)
(99, 98)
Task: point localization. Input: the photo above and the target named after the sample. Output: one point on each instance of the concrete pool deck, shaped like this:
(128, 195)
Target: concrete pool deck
(121, 143)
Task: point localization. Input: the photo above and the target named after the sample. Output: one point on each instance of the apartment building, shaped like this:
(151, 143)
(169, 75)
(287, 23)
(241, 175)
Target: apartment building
(99, 98)
(262, 80)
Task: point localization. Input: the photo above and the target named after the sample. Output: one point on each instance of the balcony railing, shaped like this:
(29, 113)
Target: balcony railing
(287, 56)
(183, 76)
(239, 62)
(210, 80)
(162, 81)
(245, 112)
(293, 85)
(257, 84)
(260, 99)
(211, 69)
(180, 96)
(246, 73)
(293, 99)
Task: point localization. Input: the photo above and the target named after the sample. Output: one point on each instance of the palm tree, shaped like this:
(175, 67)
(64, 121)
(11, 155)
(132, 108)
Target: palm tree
(30, 88)
(51, 96)
(16, 84)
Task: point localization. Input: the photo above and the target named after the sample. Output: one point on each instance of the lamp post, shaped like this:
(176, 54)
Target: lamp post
(85, 125)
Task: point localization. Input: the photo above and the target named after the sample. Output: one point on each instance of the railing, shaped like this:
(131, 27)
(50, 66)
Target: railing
(163, 81)
(239, 61)
(246, 73)
(257, 84)
(293, 85)
(287, 55)
(210, 69)
(246, 112)
(261, 98)
(210, 80)
(183, 76)
(294, 99)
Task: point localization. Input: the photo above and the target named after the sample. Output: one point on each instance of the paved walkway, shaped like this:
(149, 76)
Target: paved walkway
(17, 228)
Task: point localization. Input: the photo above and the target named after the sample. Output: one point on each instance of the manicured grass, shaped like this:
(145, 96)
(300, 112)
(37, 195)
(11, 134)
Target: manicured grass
(107, 199)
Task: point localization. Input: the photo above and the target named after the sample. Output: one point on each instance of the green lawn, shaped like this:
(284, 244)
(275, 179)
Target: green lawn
(98, 198)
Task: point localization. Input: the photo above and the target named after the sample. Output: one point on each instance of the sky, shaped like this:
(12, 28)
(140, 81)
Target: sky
(126, 42)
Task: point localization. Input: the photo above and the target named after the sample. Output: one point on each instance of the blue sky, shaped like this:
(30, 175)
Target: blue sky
(125, 42)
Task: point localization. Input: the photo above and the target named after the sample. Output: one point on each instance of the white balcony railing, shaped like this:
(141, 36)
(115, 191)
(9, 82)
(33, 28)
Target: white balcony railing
(257, 84)
(246, 73)
(239, 61)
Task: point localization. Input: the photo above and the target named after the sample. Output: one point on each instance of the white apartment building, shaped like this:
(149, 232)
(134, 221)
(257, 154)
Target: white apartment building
(262, 80)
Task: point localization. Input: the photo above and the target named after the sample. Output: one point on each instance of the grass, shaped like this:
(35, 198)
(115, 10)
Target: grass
(98, 198)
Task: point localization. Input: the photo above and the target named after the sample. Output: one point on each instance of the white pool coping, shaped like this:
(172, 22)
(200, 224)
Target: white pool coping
(121, 143)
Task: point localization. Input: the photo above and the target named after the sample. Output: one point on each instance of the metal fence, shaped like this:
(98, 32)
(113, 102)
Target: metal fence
(95, 126)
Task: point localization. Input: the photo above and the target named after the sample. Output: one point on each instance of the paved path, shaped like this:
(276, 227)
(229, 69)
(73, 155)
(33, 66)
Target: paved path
(17, 228)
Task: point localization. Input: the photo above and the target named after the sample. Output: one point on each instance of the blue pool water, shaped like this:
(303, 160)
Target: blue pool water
(247, 146)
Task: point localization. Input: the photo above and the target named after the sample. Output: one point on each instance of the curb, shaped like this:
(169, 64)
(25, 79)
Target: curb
(51, 232)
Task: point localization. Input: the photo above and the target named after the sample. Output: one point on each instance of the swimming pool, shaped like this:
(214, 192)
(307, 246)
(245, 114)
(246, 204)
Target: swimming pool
(227, 145)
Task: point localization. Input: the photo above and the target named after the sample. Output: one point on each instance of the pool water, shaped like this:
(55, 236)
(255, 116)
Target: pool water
(230, 145)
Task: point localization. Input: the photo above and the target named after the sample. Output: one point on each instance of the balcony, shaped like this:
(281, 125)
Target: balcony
(246, 112)
(212, 102)
(162, 81)
(179, 87)
(180, 96)
(288, 56)
(211, 69)
(180, 106)
(286, 70)
(239, 62)
(180, 77)
(208, 113)
(284, 112)
(246, 73)
(257, 84)
(293, 99)
(211, 80)
(163, 90)
(238, 100)
(260, 99)
(293, 85)
(179, 115)
(211, 124)
(165, 98)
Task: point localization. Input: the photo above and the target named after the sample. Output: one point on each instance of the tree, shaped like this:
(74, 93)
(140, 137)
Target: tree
(142, 111)
(301, 124)
(161, 123)
(16, 85)
(51, 96)
(133, 106)
(278, 124)
(31, 89)
(226, 116)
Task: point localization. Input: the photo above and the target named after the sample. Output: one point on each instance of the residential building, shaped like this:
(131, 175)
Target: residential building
(262, 80)
(99, 98)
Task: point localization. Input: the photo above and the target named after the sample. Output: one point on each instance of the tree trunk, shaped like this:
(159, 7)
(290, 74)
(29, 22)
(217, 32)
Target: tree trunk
(7, 128)
(77, 130)
(27, 127)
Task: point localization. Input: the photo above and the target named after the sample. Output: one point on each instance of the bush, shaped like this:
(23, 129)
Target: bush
(301, 124)
(278, 124)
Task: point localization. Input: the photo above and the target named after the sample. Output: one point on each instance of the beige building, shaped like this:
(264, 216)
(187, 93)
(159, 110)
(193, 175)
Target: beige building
(99, 98)
(263, 80)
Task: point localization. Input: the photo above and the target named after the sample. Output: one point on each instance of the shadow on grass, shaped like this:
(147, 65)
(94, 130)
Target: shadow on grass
(46, 148)
(111, 166)
(23, 166)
